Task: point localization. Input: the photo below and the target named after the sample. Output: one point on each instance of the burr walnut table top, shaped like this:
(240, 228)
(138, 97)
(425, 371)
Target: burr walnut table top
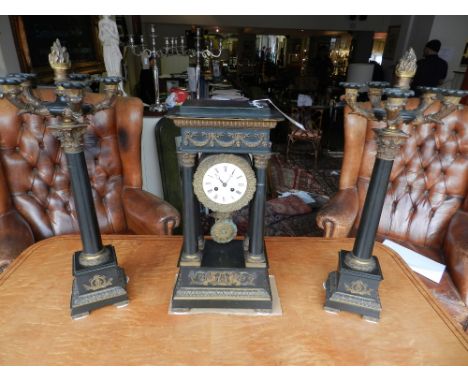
(36, 327)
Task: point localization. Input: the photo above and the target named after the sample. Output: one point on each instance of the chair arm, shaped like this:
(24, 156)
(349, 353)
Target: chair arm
(15, 237)
(147, 214)
(337, 217)
(456, 252)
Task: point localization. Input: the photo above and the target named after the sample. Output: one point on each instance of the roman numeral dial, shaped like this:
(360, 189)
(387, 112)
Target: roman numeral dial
(224, 182)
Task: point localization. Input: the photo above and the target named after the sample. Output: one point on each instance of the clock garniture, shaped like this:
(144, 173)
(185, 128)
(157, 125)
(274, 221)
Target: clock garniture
(223, 154)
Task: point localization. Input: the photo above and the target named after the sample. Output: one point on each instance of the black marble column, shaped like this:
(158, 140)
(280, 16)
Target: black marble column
(83, 197)
(255, 256)
(190, 254)
(372, 209)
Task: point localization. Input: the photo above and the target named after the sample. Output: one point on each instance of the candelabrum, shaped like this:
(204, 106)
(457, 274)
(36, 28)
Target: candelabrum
(172, 46)
(354, 286)
(206, 53)
(98, 280)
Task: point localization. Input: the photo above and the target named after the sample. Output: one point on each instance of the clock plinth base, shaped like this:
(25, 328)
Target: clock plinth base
(222, 281)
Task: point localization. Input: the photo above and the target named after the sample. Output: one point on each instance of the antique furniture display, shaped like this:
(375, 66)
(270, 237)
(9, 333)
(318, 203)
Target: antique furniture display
(311, 118)
(141, 50)
(37, 176)
(424, 207)
(413, 329)
(223, 153)
(205, 53)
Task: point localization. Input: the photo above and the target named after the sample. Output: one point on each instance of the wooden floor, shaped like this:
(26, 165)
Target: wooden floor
(36, 328)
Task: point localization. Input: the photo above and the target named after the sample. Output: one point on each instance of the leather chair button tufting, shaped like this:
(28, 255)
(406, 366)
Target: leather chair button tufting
(31, 162)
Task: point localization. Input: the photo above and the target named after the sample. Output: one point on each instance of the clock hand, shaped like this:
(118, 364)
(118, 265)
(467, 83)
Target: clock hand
(219, 178)
(230, 176)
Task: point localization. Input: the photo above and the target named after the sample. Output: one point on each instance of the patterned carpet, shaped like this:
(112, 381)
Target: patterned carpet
(298, 172)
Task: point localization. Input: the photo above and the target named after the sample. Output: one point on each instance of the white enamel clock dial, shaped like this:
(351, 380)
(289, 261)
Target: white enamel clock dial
(224, 182)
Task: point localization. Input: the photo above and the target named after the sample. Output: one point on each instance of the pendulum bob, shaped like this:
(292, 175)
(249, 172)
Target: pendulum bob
(224, 229)
(98, 280)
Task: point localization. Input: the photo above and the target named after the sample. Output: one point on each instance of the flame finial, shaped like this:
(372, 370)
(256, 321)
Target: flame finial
(59, 61)
(406, 69)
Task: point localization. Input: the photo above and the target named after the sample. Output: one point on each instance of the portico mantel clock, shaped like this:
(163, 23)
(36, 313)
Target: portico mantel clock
(223, 152)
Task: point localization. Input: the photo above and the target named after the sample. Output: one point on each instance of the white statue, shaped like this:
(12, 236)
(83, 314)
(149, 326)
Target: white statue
(109, 36)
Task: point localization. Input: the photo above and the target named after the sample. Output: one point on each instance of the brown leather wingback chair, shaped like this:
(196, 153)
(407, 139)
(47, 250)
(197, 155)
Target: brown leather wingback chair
(35, 193)
(426, 207)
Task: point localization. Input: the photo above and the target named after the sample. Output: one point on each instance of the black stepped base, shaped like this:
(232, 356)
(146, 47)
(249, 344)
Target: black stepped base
(97, 286)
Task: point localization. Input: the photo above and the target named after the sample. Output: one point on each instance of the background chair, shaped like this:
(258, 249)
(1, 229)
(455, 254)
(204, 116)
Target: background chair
(312, 121)
(165, 134)
(35, 193)
(426, 207)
